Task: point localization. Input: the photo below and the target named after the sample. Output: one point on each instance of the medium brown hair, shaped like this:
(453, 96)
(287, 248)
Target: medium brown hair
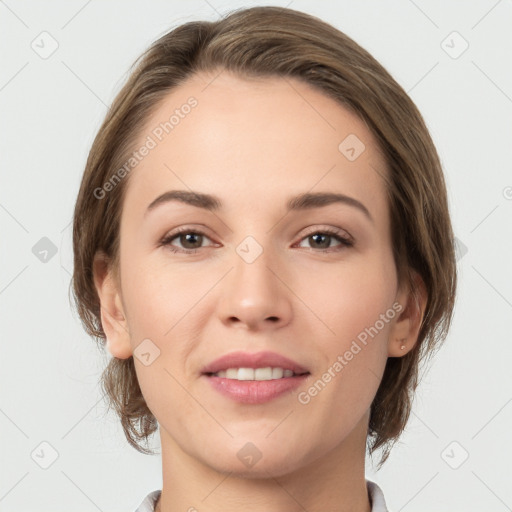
(269, 42)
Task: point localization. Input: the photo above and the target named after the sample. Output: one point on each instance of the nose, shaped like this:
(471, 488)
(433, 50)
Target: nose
(254, 295)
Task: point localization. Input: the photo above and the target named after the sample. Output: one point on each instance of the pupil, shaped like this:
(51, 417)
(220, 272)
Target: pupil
(326, 237)
(187, 238)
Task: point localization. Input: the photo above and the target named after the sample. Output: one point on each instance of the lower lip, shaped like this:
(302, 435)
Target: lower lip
(255, 391)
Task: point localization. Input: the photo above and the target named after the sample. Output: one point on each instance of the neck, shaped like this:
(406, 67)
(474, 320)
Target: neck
(333, 481)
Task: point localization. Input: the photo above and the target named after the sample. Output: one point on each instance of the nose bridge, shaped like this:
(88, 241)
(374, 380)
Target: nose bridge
(253, 292)
(252, 275)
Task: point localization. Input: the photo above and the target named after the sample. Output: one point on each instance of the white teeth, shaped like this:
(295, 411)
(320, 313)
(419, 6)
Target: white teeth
(267, 373)
(245, 374)
(277, 373)
(263, 373)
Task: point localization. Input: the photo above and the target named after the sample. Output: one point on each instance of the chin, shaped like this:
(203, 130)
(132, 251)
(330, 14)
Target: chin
(249, 462)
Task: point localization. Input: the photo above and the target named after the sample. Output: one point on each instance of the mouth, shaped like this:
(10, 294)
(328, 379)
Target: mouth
(254, 378)
(256, 374)
(254, 366)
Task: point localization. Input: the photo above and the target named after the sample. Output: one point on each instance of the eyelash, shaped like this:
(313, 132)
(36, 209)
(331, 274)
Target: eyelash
(345, 241)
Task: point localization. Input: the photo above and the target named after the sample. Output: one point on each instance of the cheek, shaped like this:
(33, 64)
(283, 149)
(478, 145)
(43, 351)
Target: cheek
(157, 296)
(360, 313)
(162, 306)
(169, 305)
(352, 297)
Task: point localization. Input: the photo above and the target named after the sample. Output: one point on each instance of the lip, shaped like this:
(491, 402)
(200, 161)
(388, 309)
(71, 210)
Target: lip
(253, 391)
(255, 360)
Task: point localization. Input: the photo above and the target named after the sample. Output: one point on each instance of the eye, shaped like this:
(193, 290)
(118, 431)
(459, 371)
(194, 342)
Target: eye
(322, 239)
(190, 239)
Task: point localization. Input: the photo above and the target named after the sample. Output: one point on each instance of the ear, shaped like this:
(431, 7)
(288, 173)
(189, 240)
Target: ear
(406, 328)
(113, 319)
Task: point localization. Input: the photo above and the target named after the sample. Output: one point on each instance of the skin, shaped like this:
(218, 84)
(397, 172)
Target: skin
(255, 143)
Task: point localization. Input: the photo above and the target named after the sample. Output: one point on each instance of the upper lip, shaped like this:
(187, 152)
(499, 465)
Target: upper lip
(255, 360)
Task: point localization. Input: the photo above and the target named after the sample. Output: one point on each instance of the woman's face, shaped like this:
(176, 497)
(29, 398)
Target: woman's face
(257, 271)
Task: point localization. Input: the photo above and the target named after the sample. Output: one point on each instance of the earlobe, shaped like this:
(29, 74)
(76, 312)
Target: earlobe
(113, 318)
(406, 329)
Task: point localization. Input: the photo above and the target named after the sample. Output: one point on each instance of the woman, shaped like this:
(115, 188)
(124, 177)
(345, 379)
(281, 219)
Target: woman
(262, 240)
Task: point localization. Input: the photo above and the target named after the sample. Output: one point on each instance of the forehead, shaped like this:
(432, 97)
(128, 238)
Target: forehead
(254, 142)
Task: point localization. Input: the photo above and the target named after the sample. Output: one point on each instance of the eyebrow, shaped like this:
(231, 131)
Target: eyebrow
(301, 202)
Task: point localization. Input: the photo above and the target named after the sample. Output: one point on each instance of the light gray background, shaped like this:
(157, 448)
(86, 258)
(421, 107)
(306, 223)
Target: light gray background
(50, 110)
